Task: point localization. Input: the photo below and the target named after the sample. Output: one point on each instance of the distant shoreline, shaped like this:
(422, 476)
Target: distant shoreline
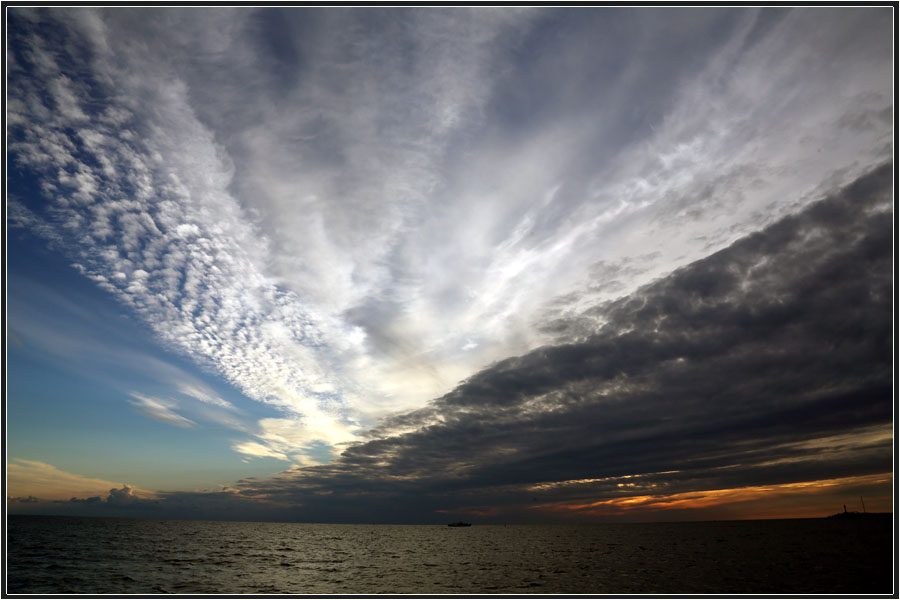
(858, 515)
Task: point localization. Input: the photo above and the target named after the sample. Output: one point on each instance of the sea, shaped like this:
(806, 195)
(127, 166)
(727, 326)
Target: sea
(95, 556)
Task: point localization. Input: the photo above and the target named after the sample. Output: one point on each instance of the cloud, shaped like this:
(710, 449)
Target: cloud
(100, 344)
(123, 496)
(160, 410)
(769, 501)
(346, 213)
(225, 504)
(35, 479)
(181, 254)
(255, 449)
(303, 441)
(765, 366)
(25, 500)
(203, 394)
(118, 498)
(92, 500)
(753, 382)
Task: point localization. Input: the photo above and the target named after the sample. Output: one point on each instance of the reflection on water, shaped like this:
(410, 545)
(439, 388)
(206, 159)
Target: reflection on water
(93, 556)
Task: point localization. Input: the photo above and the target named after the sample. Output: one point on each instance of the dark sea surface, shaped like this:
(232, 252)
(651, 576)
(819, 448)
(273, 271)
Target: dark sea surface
(53, 555)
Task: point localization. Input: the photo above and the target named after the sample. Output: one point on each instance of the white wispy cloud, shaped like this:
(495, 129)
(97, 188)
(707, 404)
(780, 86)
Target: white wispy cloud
(161, 410)
(345, 213)
(203, 394)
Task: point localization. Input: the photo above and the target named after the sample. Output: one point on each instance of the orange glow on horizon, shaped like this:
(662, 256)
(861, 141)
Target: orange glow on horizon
(720, 497)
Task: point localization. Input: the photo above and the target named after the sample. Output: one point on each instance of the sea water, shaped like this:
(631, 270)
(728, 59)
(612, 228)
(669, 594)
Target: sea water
(57, 555)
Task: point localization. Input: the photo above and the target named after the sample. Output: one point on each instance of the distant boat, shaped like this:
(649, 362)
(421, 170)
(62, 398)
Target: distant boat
(459, 524)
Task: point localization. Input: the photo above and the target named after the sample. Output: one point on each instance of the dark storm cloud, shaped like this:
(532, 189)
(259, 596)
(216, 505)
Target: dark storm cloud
(765, 363)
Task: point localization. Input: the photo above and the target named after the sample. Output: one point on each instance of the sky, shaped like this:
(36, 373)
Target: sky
(423, 264)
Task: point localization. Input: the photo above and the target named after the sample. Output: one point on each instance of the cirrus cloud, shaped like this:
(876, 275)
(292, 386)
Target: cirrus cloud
(346, 213)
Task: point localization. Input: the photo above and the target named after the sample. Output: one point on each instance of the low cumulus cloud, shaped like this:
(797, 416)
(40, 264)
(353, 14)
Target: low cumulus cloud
(74, 500)
(123, 496)
(24, 500)
(118, 498)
